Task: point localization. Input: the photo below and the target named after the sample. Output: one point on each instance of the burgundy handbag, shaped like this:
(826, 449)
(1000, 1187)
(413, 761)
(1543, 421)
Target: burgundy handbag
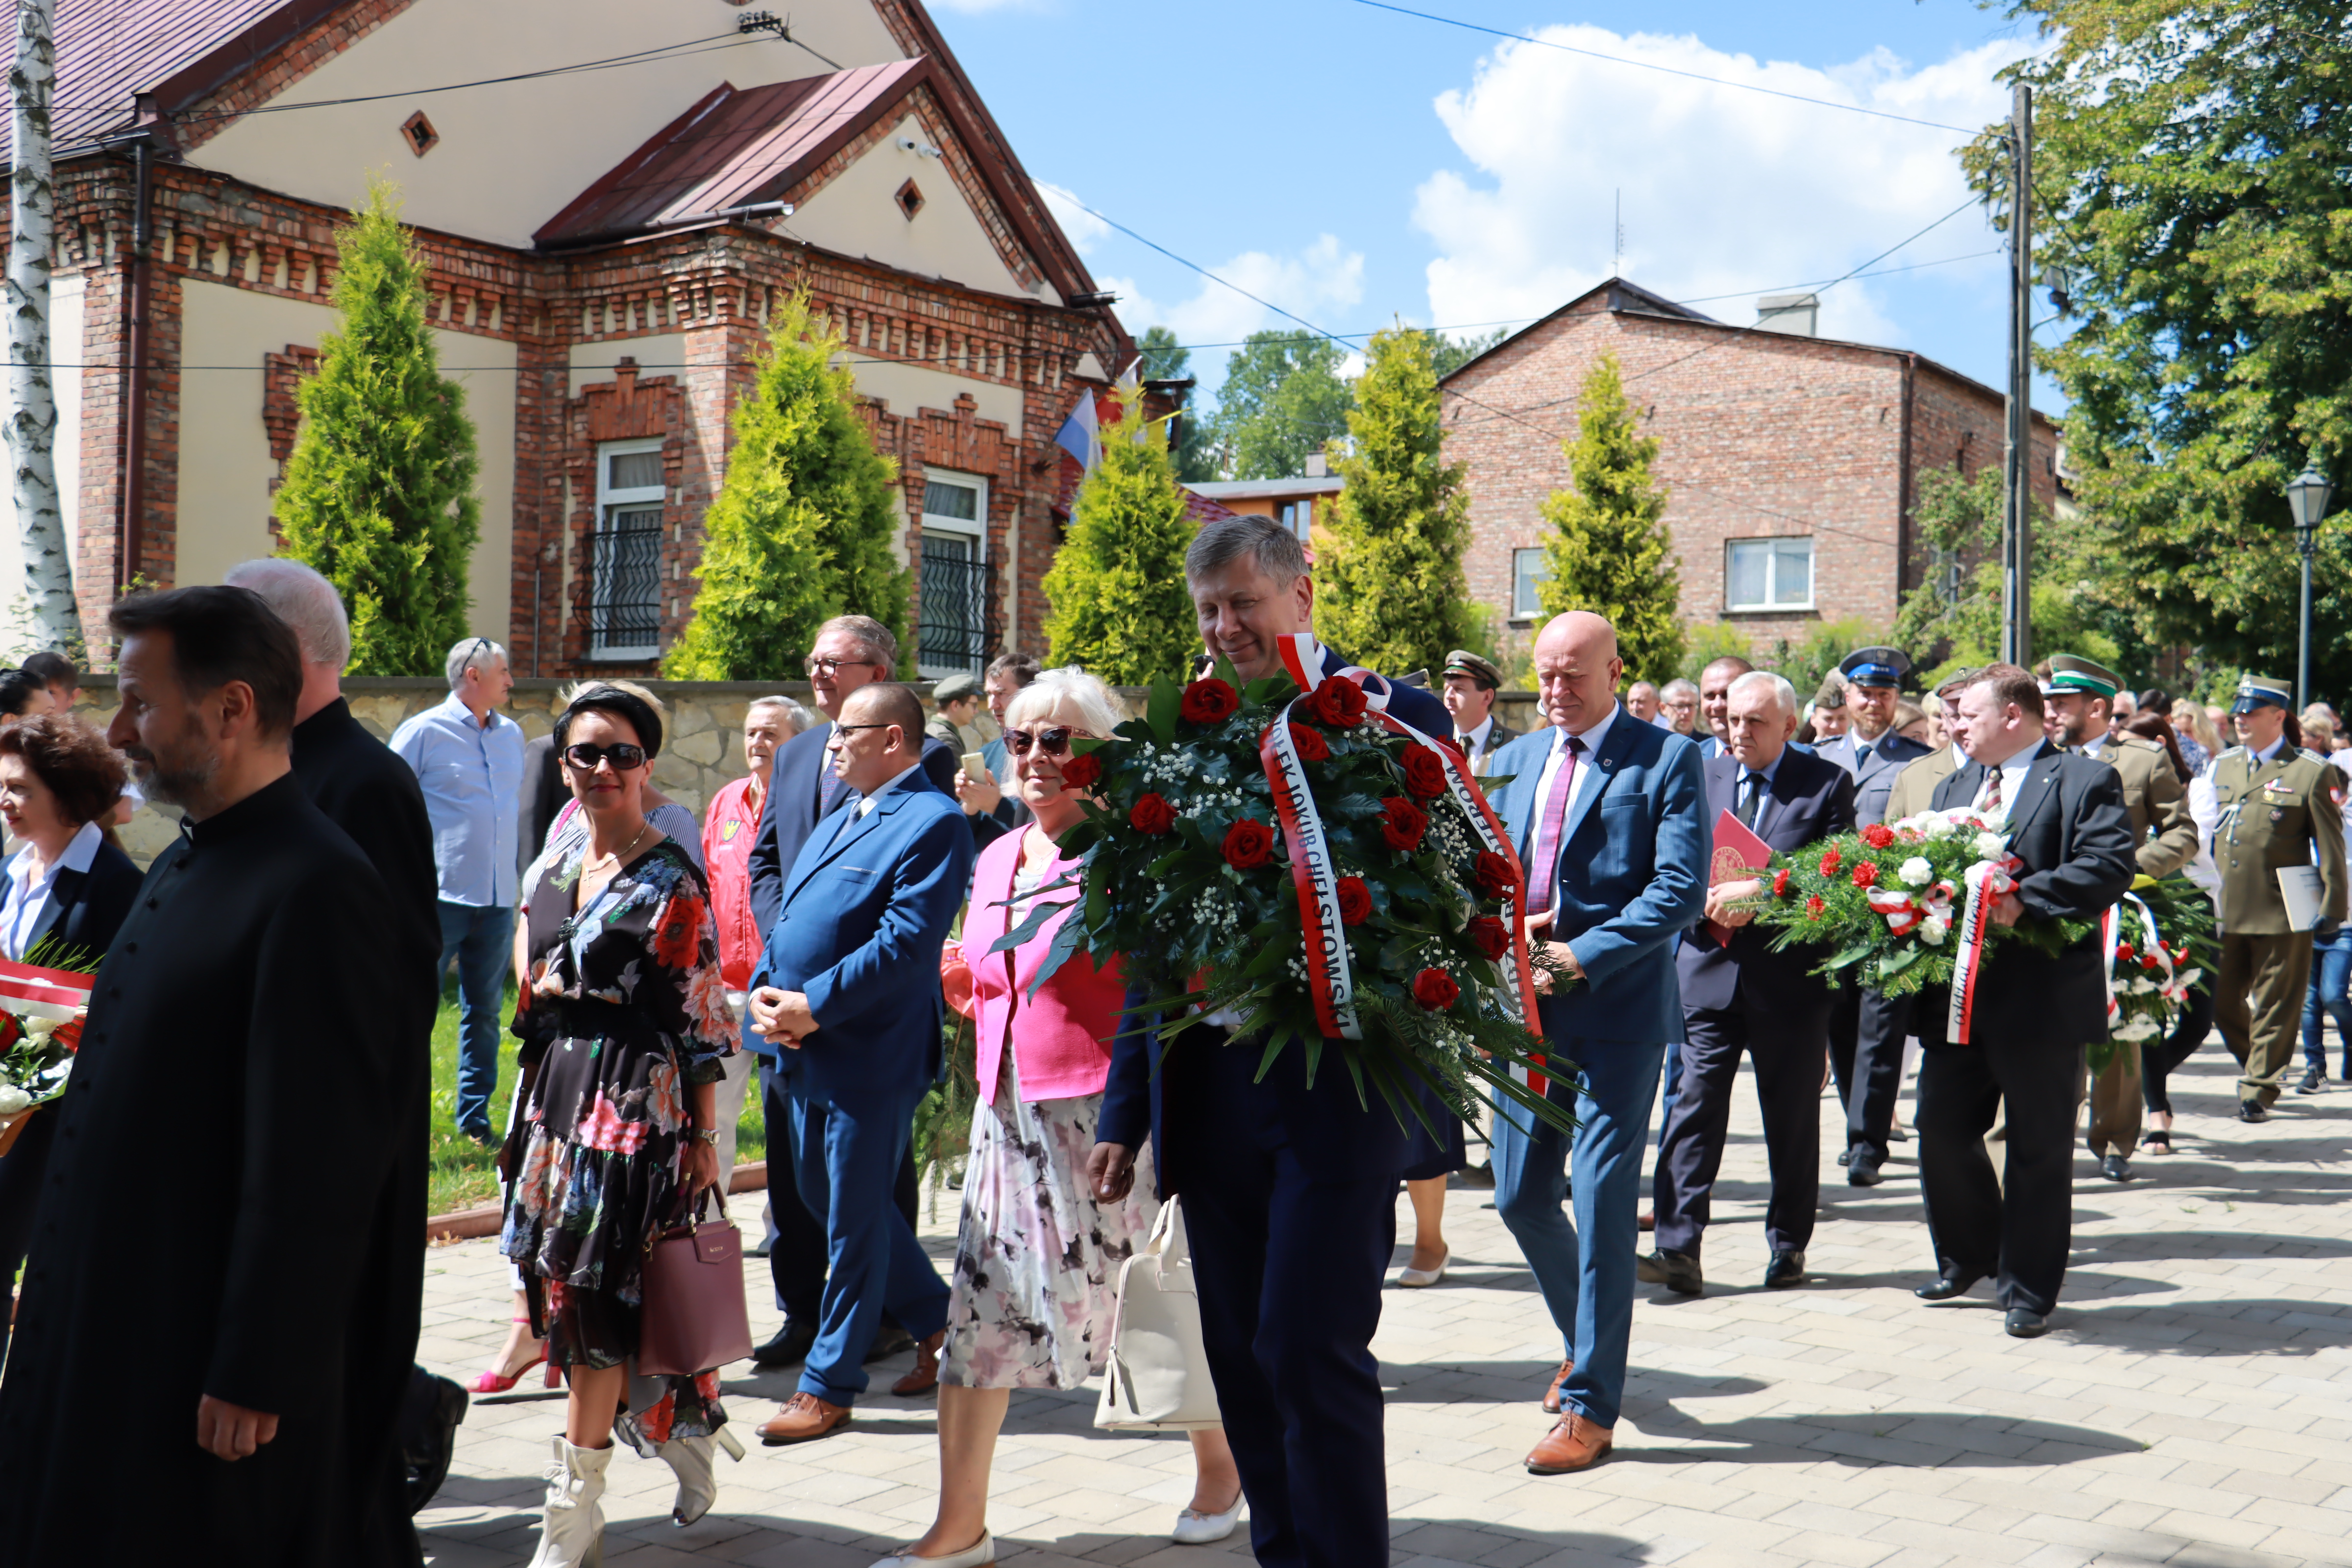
(695, 1317)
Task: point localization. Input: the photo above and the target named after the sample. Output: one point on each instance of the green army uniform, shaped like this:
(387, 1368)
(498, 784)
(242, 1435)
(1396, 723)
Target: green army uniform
(2283, 813)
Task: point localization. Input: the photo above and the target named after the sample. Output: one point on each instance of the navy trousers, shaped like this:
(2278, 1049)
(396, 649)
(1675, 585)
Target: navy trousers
(798, 1253)
(1289, 1197)
(1786, 1044)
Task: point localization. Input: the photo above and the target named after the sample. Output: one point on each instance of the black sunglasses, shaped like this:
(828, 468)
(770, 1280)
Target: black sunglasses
(1049, 742)
(623, 755)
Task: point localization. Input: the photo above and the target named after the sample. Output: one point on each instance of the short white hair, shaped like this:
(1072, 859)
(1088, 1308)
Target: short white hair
(795, 716)
(1677, 688)
(305, 601)
(1782, 692)
(1069, 687)
(474, 653)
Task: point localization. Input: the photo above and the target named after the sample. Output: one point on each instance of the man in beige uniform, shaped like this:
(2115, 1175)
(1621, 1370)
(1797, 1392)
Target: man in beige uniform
(2076, 698)
(2280, 808)
(1915, 786)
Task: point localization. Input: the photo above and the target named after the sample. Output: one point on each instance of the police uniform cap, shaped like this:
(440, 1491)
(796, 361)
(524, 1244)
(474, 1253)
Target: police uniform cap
(2070, 672)
(2260, 691)
(1461, 661)
(1875, 667)
(956, 687)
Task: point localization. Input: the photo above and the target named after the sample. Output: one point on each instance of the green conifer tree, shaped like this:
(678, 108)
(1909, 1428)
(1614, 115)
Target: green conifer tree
(379, 493)
(801, 531)
(1389, 561)
(1116, 587)
(1608, 551)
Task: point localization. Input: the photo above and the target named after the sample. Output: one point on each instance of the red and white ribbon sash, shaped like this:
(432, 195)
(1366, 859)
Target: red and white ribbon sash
(2151, 945)
(1987, 881)
(43, 992)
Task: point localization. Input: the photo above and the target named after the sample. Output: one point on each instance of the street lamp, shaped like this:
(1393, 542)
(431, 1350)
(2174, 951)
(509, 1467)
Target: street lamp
(2308, 496)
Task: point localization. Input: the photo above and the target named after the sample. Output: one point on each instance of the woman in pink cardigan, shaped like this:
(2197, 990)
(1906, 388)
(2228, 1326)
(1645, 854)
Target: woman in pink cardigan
(1037, 1257)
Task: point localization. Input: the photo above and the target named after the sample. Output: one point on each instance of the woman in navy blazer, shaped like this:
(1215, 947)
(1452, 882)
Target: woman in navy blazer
(66, 892)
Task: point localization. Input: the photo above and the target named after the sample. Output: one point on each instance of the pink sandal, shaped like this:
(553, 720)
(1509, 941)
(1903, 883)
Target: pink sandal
(495, 1383)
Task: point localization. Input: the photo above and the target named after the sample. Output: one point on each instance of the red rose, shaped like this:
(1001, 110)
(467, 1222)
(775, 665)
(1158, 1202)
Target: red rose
(1434, 989)
(1781, 883)
(1209, 701)
(1489, 935)
(2123, 952)
(1494, 874)
(2149, 962)
(1866, 874)
(1152, 814)
(1310, 742)
(1401, 823)
(1814, 907)
(1878, 835)
(1081, 772)
(1337, 702)
(1424, 772)
(1248, 843)
(1355, 902)
(1830, 863)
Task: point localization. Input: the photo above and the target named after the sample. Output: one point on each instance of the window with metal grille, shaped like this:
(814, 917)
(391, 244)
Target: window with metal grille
(957, 630)
(624, 602)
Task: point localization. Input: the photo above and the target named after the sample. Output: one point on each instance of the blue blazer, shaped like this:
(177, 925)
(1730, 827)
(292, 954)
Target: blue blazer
(1632, 875)
(866, 906)
(1810, 799)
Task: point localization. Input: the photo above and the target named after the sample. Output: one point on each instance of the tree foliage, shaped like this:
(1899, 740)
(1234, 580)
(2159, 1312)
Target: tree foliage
(1451, 354)
(1116, 590)
(1608, 551)
(378, 493)
(1165, 358)
(1389, 566)
(2190, 165)
(802, 527)
(1283, 398)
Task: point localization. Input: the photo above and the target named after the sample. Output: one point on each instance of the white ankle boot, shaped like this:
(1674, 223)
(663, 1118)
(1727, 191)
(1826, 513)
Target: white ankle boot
(698, 1484)
(573, 1532)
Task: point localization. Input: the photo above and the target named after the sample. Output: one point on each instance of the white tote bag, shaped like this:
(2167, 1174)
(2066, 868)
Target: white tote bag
(1157, 1376)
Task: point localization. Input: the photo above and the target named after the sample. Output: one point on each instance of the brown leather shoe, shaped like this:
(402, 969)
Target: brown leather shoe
(1574, 1444)
(804, 1416)
(926, 1376)
(1649, 1220)
(1552, 1394)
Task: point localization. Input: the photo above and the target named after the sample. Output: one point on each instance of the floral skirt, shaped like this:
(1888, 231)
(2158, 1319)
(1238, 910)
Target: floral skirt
(1037, 1258)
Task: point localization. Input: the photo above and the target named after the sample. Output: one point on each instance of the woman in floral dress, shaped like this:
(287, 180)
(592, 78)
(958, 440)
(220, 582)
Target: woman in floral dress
(620, 1125)
(1037, 1254)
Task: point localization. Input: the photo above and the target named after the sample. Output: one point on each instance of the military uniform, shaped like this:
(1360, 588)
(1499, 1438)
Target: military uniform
(1914, 787)
(2279, 812)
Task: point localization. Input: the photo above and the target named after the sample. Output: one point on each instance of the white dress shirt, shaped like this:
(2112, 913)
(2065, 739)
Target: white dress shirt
(2012, 779)
(1474, 740)
(1585, 768)
(866, 804)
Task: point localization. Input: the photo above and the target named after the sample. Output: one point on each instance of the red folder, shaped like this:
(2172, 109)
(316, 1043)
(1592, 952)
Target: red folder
(1738, 855)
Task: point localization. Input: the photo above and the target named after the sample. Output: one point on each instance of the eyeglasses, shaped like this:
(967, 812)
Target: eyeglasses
(1049, 742)
(621, 753)
(853, 729)
(829, 667)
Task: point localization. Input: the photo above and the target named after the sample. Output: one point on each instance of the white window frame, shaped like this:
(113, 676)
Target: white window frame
(1772, 545)
(1530, 612)
(974, 527)
(608, 500)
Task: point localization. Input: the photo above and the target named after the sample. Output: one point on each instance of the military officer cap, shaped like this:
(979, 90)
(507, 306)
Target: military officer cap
(1875, 667)
(955, 687)
(1463, 662)
(2069, 672)
(2258, 691)
(1832, 694)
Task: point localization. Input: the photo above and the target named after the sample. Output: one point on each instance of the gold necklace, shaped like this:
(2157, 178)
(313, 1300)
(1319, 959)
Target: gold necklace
(614, 860)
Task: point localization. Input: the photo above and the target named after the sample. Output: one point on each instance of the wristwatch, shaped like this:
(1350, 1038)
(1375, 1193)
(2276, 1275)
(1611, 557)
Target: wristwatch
(706, 1134)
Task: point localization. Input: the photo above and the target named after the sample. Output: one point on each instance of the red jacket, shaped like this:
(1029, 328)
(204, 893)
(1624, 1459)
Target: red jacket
(729, 830)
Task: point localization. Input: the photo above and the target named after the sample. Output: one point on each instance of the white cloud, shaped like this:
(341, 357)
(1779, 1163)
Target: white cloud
(1085, 229)
(1726, 192)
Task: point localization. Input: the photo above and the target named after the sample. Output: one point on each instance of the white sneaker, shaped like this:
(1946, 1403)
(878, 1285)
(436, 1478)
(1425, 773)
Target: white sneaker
(979, 1555)
(1420, 1279)
(1195, 1527)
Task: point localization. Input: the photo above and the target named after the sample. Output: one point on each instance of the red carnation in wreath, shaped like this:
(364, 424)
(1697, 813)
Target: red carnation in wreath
(1831, 862)
(1209, 701)
(1865, 875)
(1814, 907)
(1781, 883)
(1878, 835)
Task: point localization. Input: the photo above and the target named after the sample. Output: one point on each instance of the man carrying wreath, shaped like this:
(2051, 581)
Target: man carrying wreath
(1289, 1191)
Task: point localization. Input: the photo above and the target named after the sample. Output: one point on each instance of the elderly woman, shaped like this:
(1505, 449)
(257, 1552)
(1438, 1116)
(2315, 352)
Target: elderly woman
(619, 1134)
(63, 896)
(1038, 1256)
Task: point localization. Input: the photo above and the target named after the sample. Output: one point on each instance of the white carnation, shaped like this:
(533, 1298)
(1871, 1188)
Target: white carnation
(1936, 825)
(2137, 1029)
(13, 1100)
(1991, 846)
(1932, 931)
(2143, 986)
(1916, 871)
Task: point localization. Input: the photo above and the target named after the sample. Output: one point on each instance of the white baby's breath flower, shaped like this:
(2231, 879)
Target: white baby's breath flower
(1916, 871)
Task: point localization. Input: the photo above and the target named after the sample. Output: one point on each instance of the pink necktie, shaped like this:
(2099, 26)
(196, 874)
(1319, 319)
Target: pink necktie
(1543, 869)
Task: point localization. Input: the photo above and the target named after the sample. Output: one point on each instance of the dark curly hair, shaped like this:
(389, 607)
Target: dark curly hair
(72, 761)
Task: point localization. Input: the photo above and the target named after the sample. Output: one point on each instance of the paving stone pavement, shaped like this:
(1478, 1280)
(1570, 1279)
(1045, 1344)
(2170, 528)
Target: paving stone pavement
(2188, 1407)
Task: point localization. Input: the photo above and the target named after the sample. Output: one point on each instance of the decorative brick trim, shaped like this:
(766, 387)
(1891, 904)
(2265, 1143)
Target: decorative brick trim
(200, 120)
(281, 413)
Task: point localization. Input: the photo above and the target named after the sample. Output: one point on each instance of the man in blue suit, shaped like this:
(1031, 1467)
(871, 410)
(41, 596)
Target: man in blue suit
(1739, 997)
(1610, 817)
(866, 908)
(1289, 1190)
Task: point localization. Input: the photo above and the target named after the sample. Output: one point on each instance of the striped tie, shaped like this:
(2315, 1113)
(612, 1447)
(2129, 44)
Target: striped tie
(1543, 869)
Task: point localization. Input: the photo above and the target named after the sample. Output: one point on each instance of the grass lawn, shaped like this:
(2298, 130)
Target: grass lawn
(462, 1174)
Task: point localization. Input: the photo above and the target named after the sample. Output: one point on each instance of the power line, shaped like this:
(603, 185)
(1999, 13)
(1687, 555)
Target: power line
(1669, 70)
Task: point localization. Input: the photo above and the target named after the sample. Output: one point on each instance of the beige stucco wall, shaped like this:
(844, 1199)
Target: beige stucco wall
(656, 354)
(857, 213)
(17, 636)
(551, 137)
(907, 387)
(225, 462)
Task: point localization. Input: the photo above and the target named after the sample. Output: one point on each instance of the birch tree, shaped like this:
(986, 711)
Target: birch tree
(32, 409)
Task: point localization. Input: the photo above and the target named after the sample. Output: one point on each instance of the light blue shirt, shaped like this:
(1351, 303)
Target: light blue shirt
(25, 897)
(472, 777)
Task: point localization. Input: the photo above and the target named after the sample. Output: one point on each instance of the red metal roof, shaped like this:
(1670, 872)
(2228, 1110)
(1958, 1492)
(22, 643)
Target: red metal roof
(736, 146)
(109, 50)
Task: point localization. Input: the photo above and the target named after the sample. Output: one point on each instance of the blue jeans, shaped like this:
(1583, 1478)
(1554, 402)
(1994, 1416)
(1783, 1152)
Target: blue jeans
(2331, 977)
(480, 939)
(1584, 1269)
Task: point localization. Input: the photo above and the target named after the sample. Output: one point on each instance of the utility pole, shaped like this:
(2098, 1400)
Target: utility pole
(2017, 528)
(32, 421)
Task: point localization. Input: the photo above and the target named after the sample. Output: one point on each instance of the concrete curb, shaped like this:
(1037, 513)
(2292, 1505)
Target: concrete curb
(470, 1225)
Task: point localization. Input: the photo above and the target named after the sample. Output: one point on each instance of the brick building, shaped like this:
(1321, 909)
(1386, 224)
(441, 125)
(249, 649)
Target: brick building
(1792, 460)
(606, 248)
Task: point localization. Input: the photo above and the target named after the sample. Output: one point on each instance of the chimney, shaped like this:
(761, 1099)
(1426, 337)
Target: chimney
(1318, 467)
(1797, 314)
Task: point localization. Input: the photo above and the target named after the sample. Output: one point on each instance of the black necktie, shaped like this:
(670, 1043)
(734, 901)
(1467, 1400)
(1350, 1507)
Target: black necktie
(1751, 798)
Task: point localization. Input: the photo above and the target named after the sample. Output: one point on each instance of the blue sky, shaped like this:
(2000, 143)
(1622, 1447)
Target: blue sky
(1355, 165)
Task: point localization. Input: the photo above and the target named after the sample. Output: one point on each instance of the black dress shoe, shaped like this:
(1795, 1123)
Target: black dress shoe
(888, 1340)
(789, 1348)
(1944, 1288)
(1862, 1170)
(1787, 1269)
(2252, 1110)
(1845, 1155)
(1677, 1271)
(2115, 1168)
(2024, 1323)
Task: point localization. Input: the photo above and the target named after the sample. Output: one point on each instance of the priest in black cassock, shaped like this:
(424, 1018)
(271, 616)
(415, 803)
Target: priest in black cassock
(198, 1375)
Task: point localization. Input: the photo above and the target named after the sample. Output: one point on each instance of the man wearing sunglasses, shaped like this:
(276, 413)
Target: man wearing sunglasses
(1289, 1191)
